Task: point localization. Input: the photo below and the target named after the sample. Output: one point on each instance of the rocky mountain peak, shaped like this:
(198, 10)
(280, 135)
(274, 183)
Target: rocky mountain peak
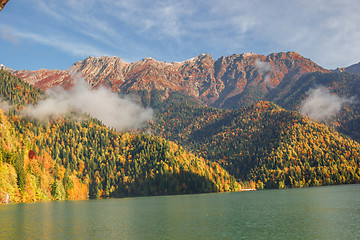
(229, 82)
(204, 56)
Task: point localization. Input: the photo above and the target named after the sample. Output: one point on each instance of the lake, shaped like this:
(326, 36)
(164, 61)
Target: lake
(331, 212)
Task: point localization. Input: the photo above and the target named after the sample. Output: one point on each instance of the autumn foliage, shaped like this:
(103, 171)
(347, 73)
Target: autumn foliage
(262, 143)
(187, 148)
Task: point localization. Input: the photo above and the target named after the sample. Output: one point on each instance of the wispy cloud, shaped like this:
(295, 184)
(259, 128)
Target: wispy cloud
(158, 18)
(5, 105)
(264, 68)
(322, 105)
(7, 34)
(325, 31)
(72, 47)
(49, 8)
(120, 113)
(84, 16)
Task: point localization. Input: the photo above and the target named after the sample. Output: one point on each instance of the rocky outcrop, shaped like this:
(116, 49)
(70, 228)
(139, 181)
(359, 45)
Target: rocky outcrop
(228, 82)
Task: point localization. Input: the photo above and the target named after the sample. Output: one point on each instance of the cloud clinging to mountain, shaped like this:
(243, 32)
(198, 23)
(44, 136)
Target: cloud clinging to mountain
(264, 68)
(322, 105)
(114, 111)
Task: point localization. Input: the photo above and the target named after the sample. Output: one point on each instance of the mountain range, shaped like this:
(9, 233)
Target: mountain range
(225, 82)
(229, 82)
(238, 117)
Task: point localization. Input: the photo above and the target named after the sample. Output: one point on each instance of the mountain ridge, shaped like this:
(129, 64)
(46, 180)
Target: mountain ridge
(226, 82)
(354, 68)
(230, 82)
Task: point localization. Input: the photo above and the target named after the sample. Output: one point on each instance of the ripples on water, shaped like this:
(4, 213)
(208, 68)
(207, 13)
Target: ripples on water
(310, 213)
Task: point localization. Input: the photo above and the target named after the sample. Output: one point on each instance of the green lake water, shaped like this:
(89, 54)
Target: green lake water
(331, 212)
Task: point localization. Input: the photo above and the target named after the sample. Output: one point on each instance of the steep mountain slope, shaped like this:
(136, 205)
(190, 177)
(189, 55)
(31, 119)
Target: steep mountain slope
(114, 164)
(67, 159)
(228, 82)
(17, 92)
(44, 78)
(27, 177)
(263, 143)
(355, 68)
(346, 85)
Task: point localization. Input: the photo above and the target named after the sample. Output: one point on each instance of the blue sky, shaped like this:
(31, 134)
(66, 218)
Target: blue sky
(54, 34)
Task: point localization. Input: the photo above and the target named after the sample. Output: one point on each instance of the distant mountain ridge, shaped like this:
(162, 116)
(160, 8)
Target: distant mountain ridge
(228, 82)
(355, 68)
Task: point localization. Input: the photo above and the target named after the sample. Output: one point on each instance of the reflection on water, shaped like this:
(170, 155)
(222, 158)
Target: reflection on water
(311, 213)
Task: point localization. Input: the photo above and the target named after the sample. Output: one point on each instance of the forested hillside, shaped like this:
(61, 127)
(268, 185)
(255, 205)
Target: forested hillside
(230, 82)
(25, 176)
(291, 93)
(262, 143)
(16, 92)
(71, 159)
(126, 164)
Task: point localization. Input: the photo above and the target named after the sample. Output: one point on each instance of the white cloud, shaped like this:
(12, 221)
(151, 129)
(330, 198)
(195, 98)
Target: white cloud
(5, 105)
(158, 19)
(49, 8)
(322, 105)
(101, 103)
(264, 68)
(88, 20)
(65, 44)
(325, 31)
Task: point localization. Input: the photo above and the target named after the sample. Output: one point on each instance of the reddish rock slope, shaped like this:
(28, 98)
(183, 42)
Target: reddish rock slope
(227, 82)
(45, 78)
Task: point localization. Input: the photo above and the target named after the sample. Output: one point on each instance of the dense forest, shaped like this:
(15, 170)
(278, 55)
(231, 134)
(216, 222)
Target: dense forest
(290, 94)
(15, 92)
(187, 148)
(71, 159)
(262, 143)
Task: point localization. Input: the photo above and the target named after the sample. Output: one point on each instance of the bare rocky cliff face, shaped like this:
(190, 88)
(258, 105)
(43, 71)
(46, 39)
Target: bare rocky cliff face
(228, 82)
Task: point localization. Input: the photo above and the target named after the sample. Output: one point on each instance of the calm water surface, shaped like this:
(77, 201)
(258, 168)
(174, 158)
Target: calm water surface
(312, 213)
